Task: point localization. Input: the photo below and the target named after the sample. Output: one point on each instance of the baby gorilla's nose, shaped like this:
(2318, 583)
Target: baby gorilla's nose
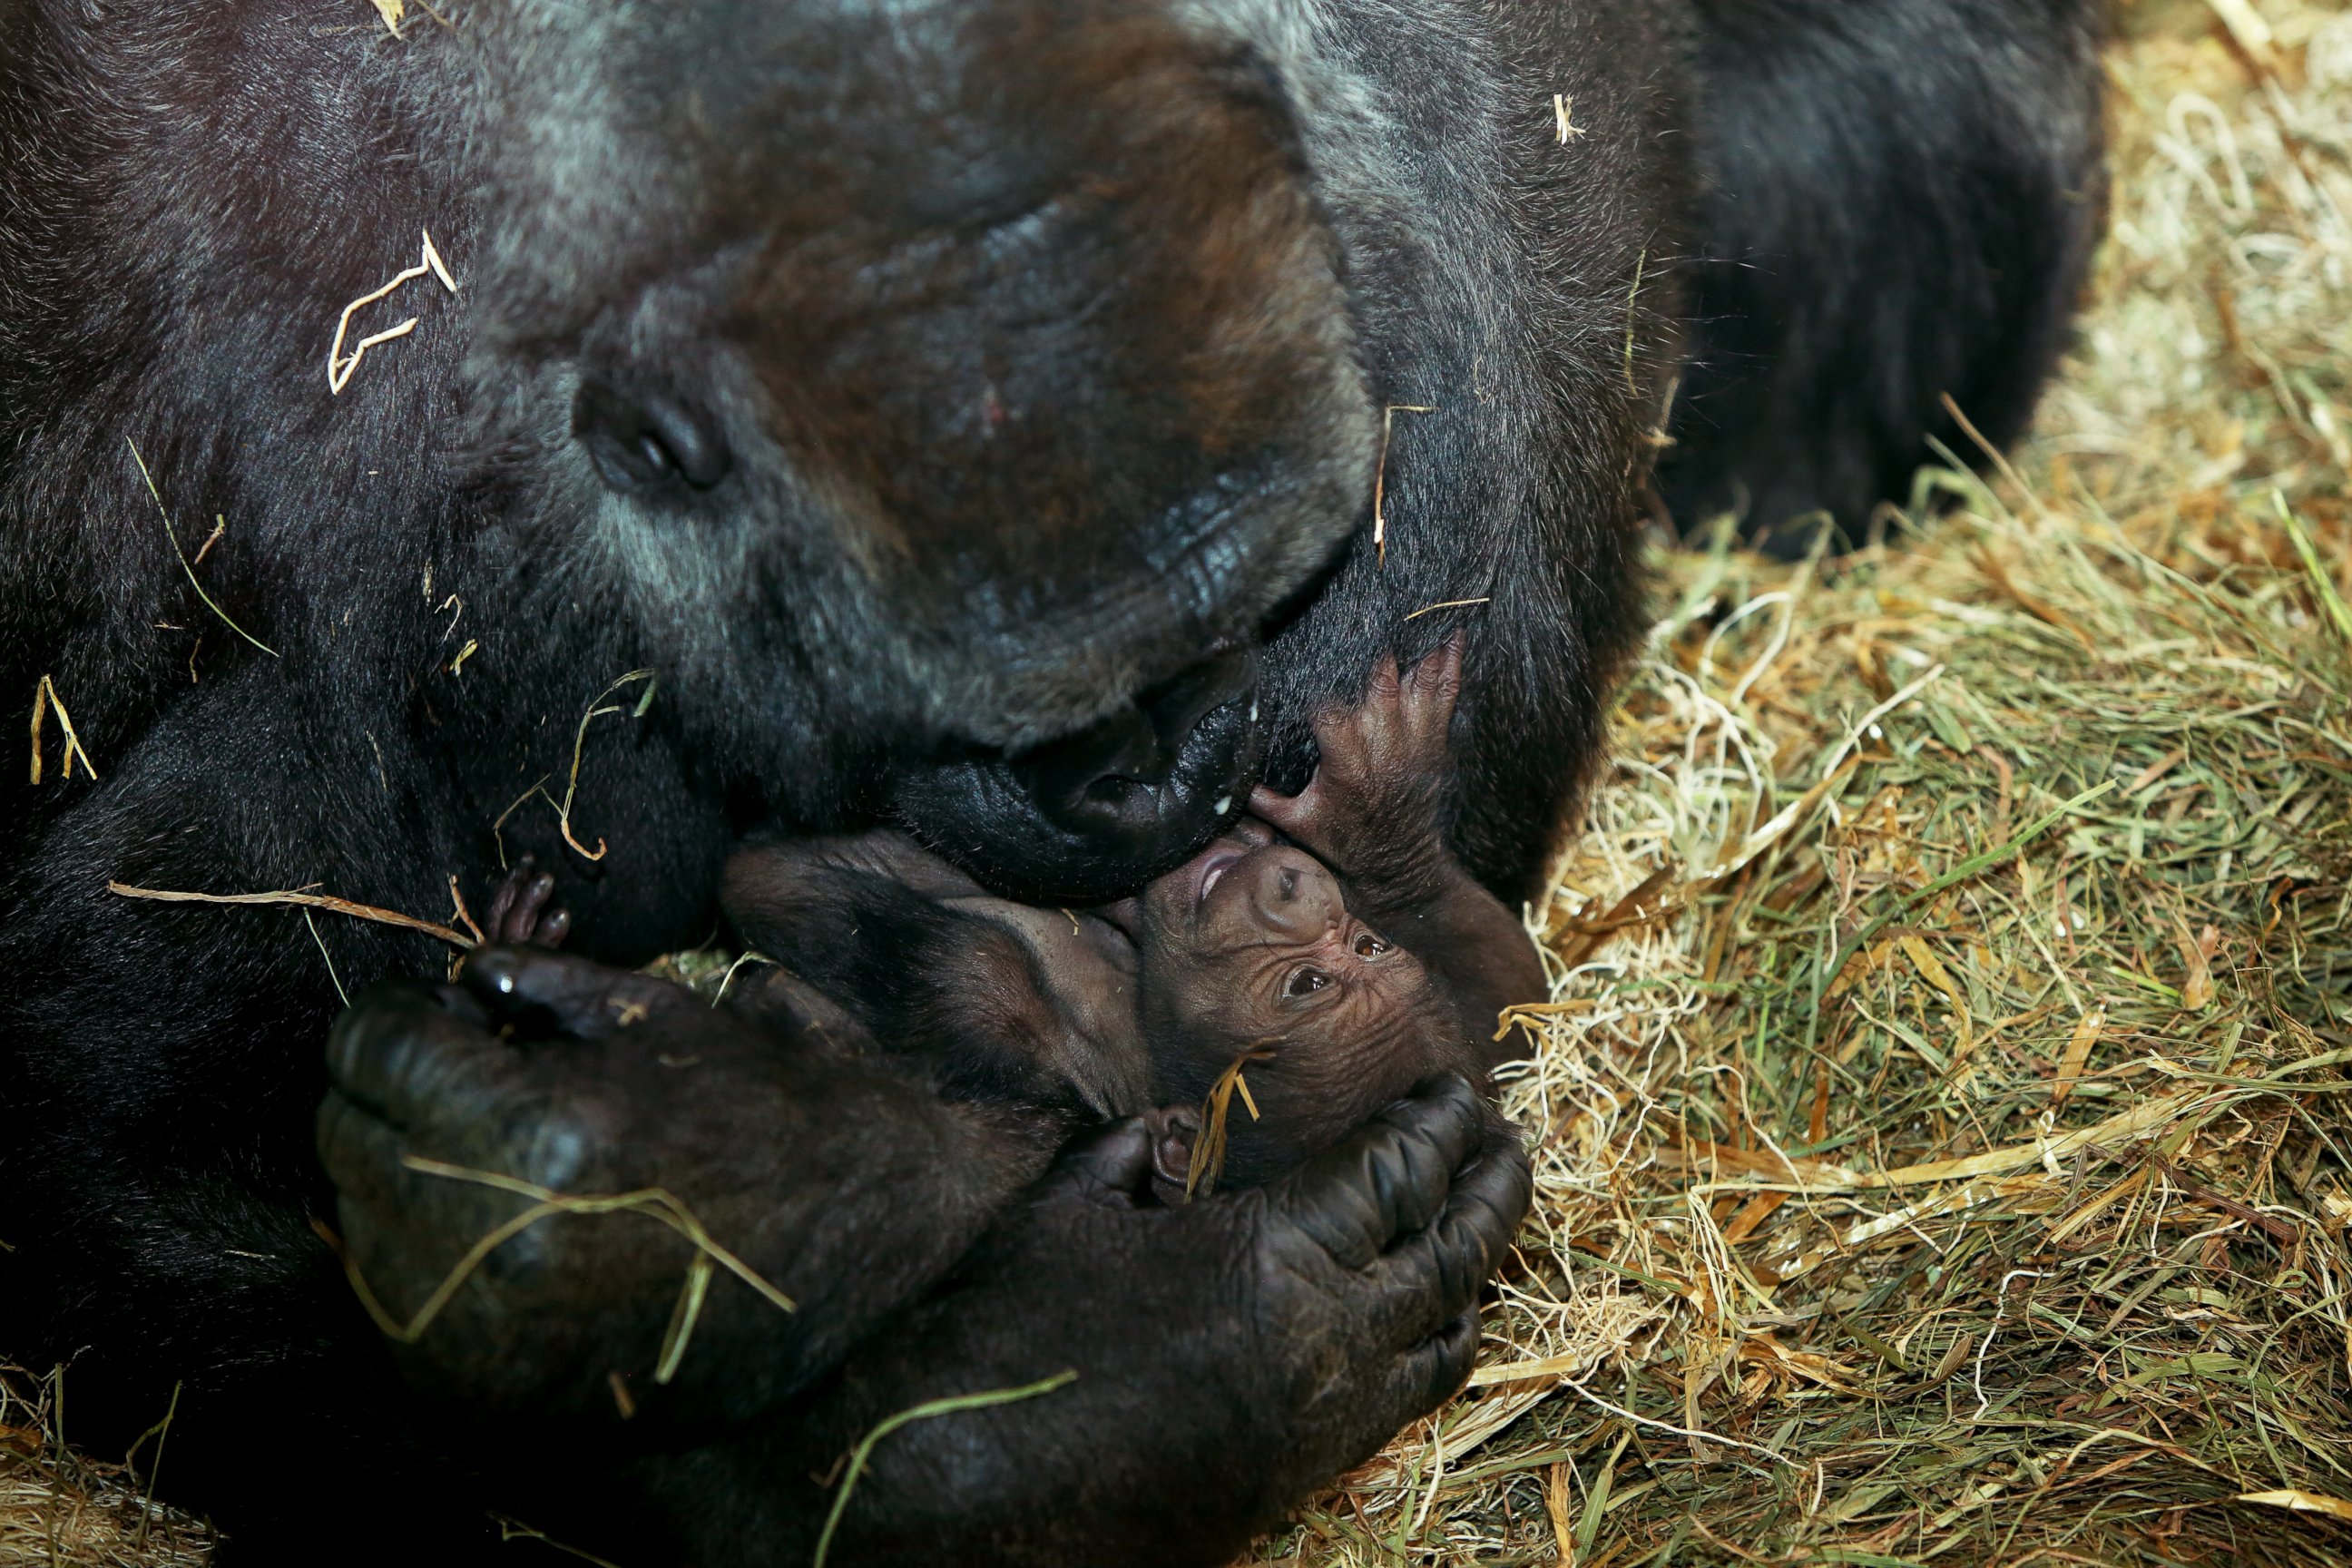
(1294, 895)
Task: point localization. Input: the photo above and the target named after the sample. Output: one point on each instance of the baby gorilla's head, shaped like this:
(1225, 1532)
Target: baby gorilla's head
(1251, 947)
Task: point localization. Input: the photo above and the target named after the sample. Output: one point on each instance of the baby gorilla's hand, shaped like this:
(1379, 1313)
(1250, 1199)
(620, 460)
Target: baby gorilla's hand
(1373, 808)
(518, 915)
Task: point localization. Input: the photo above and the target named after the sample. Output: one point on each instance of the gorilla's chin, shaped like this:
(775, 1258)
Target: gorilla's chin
(1094, 816)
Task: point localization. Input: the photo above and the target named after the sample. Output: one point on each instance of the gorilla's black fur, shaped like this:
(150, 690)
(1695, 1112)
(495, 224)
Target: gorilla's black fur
(1948, 201)
(955, 408)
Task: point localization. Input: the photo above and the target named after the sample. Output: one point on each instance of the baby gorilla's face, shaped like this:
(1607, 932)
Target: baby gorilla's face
(1251, 945)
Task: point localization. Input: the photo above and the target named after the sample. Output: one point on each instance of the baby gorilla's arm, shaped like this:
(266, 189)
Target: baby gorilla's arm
(906, 945)
(1374, 814)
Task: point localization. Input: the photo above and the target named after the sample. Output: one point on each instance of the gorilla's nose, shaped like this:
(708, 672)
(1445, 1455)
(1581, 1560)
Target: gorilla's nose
(1094, 816)
(1294, 897)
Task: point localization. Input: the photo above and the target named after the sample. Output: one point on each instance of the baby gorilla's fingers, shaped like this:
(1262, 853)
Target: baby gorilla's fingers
(1434, 685)
(1388, 1180)
(518, 908)
(1294, 813)
(1397, 736)
(545, 993)
(515, 903)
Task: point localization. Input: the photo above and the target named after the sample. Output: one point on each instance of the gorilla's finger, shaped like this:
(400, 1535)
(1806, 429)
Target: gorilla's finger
(1439, 1273)
(553, 928)
(1434, 1369)
(1387, 1179)
(1111, 1167)
(564, 994)
(401, 1050)
(361, 1153)
(1396, 1385)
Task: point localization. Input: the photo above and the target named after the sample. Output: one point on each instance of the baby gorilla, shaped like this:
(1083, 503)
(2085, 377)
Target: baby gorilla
(1334, 964)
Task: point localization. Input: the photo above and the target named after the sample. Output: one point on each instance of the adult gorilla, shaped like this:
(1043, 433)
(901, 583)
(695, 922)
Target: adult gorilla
(953, 405)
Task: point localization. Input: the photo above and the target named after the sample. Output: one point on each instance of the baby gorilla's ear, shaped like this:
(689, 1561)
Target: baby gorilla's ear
(1173, 1130)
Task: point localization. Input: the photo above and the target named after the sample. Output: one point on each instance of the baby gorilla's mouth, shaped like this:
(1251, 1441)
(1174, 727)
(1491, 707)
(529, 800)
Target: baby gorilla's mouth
(1245, 838)
(1213, 865)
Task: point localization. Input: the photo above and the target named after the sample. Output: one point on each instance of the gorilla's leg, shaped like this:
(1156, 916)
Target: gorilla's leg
(1900, 201)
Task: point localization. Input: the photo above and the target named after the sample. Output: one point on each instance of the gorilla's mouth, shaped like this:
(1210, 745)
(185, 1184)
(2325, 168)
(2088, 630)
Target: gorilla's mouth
(1154, 742)
(1094, 816)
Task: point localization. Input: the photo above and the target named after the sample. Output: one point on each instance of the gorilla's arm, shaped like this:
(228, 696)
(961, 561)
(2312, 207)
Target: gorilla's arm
(1358, 1279)
(1374, 812)
(1272, 1337)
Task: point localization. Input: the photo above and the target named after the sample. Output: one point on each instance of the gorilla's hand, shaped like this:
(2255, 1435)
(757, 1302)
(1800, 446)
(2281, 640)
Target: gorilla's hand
(1373, 811)
(1232, 1356)
(845, 1188)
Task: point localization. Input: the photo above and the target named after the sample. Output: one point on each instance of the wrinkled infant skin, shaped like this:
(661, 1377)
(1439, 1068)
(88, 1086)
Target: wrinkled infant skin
(955, 409)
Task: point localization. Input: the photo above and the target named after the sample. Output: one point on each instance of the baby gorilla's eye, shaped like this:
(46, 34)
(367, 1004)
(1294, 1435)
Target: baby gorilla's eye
(1306, 983)
(1369, 946)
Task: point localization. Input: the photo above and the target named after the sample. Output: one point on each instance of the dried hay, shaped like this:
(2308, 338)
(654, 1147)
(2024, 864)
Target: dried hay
(1939, 1159)
(1941, 1116)
(58, 1507)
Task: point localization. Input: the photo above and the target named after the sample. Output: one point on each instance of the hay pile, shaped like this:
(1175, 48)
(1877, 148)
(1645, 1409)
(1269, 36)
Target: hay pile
(1942, 1115)
(58, 1507)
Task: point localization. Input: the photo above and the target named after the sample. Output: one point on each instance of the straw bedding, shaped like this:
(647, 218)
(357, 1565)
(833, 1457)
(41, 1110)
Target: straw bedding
(1942, 1112)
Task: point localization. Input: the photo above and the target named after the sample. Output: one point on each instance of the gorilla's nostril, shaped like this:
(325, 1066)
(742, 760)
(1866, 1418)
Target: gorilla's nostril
(640, 440)
(1288, 882)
